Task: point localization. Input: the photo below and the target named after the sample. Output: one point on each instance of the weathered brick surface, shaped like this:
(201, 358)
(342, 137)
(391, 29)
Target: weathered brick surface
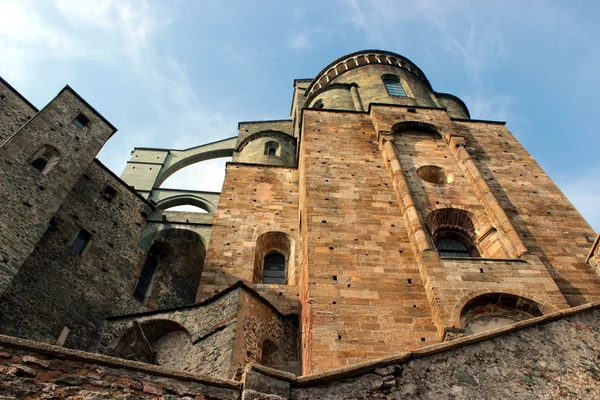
(255, 200)
(15, 111)
(563, 363)
(364, 288)
(56, 287)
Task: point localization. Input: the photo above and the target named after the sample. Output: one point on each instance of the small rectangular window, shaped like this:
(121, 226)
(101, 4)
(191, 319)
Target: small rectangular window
(81, 241)
(109, 192)
(80, 121)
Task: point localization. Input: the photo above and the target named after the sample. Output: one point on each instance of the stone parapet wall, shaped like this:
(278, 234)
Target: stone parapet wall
(31, 370)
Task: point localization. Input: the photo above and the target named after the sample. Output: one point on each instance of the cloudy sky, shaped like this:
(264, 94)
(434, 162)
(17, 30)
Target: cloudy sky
(178, 73)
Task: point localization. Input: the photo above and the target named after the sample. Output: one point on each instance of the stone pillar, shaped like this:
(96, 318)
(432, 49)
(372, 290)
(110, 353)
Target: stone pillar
(516, 247)
(412, 218)
(358, 106)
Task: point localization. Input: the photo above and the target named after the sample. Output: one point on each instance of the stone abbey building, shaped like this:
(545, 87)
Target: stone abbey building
(377, 227)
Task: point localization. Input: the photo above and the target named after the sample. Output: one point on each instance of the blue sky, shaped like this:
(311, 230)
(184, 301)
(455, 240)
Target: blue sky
(179, 73)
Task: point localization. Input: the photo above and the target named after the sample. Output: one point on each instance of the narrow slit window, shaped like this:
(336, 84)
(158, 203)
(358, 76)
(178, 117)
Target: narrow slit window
(393, 85)
(274, 269)
(81, 241)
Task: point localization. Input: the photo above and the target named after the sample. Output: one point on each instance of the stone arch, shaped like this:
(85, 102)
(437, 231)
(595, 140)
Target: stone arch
(271, 354)
(176, 283)
(270, 243)
(45, 158)
(544, 306)
(186, 161)
(154, 341)
(475, 225)
(187, 199)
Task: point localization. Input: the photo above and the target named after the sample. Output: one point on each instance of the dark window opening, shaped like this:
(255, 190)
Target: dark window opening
(157, 254)
(274, 269)
(81, 121)
(109, 192)
(81, 241)
(271, 151)
(268, 354)
(456, 245)
(39, 164)
(393, 85)
(318, 104)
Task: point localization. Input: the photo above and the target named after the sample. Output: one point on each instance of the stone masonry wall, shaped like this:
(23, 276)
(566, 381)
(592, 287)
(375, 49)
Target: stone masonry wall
(558, 360)
(257, 322)
(30, 370)
(57, 287)
(364, 291)
(30, 198)
(255, 200)
(209, 330)
(14, 110)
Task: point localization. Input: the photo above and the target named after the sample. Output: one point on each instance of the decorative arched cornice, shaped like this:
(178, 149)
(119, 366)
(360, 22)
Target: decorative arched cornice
(455, 98)
(267, 133)
(346, 86)
(359, 59)
(544, 305)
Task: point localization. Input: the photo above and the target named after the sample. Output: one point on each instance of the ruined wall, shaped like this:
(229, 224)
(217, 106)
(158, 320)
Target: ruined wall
(255, 200)
(56, 287)
(363, 289)
(15, 110)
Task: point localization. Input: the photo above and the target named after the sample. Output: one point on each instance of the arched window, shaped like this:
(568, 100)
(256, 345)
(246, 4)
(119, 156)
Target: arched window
(393, 85)
(274, 269)
(269, 353)
(451, 243)
(271, 148)
(45, 159)
(273, 259)
(158, 253)
(318, 104)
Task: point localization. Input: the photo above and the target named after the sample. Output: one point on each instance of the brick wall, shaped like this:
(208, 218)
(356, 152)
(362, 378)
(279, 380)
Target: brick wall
(363, 288)
(255, 200)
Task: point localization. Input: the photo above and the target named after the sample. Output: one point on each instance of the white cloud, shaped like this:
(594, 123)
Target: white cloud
(299, 42)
